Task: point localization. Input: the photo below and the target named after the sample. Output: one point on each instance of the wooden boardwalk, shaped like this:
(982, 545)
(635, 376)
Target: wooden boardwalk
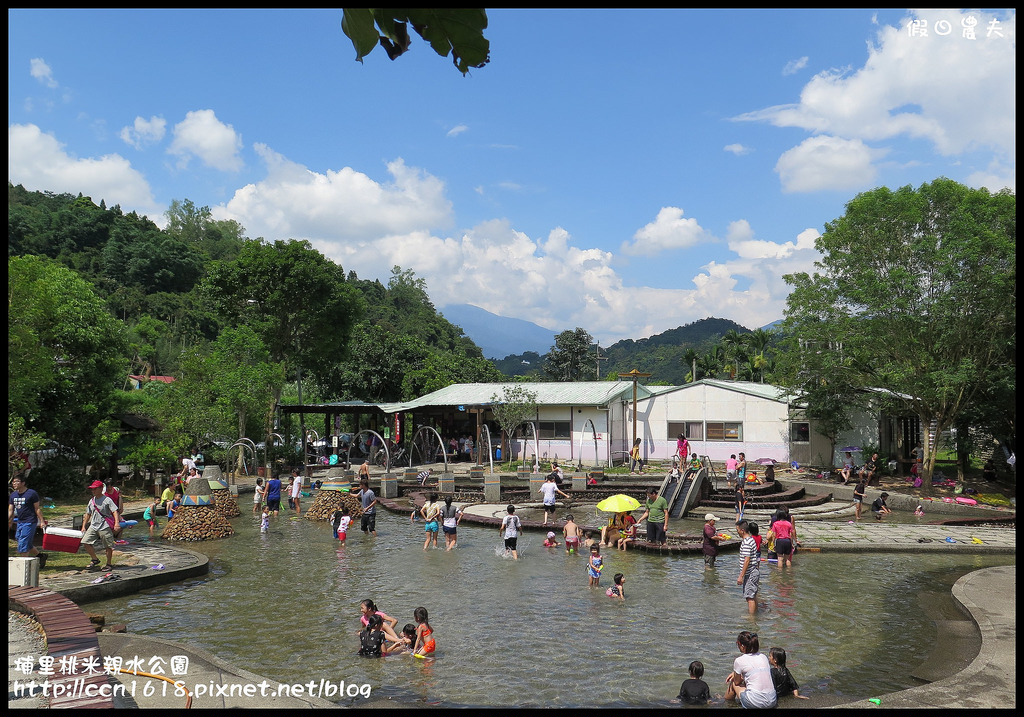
(69, 634)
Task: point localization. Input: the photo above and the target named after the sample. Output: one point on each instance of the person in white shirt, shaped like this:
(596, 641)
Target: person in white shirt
(549, 489)
(296, 490)
(751, 678)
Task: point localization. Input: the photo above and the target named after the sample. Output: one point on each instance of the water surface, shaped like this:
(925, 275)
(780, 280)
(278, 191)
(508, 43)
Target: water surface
(530, 632)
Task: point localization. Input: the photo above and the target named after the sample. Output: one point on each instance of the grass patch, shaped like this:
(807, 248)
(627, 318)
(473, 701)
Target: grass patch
(56, 562)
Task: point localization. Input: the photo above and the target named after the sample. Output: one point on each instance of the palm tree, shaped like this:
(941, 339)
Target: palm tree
(734, 343)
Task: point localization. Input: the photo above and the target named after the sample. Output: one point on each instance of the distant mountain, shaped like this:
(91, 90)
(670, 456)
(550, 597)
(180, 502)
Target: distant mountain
(499, 336)
(659, 355)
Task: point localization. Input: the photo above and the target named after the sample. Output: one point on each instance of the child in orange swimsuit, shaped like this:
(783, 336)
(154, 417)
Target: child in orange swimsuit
(424, 633)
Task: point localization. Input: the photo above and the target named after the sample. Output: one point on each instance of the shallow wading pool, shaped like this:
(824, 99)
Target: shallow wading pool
(530, 632)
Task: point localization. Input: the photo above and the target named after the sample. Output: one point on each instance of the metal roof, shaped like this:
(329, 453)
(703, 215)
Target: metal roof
(568, 393)
(760, 390)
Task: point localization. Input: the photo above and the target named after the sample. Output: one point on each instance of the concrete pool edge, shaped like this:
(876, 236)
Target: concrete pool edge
(989, 681)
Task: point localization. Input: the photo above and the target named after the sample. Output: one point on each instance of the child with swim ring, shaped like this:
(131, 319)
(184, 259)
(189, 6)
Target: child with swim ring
(618, 590)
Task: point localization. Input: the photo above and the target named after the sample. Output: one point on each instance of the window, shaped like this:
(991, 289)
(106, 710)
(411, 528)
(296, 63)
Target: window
(553, 429)
(693, 430)
(800, 432)
(725, 431)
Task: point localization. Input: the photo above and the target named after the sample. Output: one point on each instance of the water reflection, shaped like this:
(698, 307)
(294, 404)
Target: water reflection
(530, 632)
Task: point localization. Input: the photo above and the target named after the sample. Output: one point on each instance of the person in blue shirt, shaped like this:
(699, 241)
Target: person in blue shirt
(274, 495)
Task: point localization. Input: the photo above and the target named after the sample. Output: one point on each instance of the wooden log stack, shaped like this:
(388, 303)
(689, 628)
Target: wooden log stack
(197, 522)
(226, 504)
(197, 518)
(328, 501)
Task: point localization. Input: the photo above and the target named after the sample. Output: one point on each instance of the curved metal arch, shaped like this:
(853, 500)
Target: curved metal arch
(355, 442)
(490, 446)
(593, 431)
(440, 440)
(536, 448)
(246, 445)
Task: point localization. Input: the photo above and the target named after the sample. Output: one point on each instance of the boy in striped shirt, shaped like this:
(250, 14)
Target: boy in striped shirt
(750, 572)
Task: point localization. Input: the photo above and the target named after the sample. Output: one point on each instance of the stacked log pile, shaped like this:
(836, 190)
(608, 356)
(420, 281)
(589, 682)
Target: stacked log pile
(197, 522)
(328, 501)
(224, 503)
(197, 518)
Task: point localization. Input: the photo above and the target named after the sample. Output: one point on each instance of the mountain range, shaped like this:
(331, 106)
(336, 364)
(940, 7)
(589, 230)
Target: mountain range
(498, 336)
(517, 347)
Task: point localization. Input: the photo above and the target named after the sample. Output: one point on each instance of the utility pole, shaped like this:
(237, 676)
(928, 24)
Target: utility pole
(634, 374)
(599, 359)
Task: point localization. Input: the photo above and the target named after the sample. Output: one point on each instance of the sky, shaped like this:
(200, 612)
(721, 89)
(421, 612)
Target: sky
(623, 171)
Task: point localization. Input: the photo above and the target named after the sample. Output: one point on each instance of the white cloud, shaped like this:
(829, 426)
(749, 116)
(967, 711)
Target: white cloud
(337, 208)
(668, 231)
(794, 66)
(144, 131)
(949, 90)
(203, 136)
(38, 161)
(995, 177)
(368, 227)
(827, 163)
(456, 130)
(42, 72)
(738, 149)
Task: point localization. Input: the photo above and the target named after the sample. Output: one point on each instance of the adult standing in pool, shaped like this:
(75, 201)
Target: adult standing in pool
(274, 495)
(656, 513)
(368, 500)
(710, 546)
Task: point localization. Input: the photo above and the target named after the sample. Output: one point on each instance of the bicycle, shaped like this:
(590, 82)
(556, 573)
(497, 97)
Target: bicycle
(396, 454)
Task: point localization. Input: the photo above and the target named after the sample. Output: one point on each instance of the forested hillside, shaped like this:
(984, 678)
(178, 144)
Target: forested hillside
(667, 356)
(95, 295)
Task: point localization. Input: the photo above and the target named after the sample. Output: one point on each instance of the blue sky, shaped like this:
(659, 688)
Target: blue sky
(626, 171)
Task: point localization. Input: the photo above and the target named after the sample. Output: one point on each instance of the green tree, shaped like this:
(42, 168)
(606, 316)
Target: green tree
(66, 355)
(568, 359)
(245, 380)
(918, 287)
(456, 31)
(511, 408)
(294, 298)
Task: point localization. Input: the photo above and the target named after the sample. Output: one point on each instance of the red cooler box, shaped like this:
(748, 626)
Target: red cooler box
(63, 540)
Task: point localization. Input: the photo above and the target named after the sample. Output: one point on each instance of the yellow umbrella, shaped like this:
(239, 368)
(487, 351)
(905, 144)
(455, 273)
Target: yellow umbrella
(620, 503)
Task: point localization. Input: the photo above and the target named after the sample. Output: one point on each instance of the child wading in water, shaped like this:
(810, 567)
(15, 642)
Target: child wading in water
(595, 566)
(618, 590)
(424, 633)
(150, 514)
(571, 531)
(406, 639)
(265, 520)
(367, 609)
(371, 638)
(510, 528)
(340, 522)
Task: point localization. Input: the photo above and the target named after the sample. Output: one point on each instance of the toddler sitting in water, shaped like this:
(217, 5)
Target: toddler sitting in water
(406, 639)
(550, 541)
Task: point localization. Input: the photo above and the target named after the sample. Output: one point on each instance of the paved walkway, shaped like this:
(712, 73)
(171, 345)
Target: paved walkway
(989, 595)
